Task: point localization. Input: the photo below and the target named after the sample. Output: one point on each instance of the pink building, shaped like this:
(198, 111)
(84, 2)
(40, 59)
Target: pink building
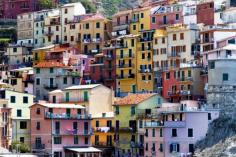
(162, 16)
(179, 127)
(61, 130)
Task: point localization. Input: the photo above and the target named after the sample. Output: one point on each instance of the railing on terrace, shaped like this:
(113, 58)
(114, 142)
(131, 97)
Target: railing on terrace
(73, 132)
(66, 116)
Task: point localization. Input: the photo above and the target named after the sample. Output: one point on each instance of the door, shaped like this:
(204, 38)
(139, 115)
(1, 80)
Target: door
(133, 88)
(38, 142)
(67, 97)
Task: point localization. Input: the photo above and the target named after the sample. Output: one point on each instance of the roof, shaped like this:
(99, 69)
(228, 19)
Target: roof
(95, 17)
(133, 99)
(55, 105)
(23, 69)
(56, 91)
(83, 149)
(78, 87)
(103, 115)
(60, 49)
(50, 64)
(124, 12)
(43, 48)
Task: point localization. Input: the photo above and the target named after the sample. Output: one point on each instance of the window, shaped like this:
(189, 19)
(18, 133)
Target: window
(153, 19)
(13, 99)
(76, 139)
(65, 80)
(161, 147)
(98, 25)
(153, 147)
(209, 116)
(37, 81)
(146, 133)
(174, 148)
(191, 148)
(176, 16)
(51, 70)
(86, 140)
(23, 125)
(38, 125)
(132, 42)
(37, 71)
(161, 133)
(212, 65)
(134, 27)
(146, 147)
(117, 110)
(22, 139)
(85, 95)
(97, 123)
(174, 132)
(87, 25)
(57, 140)
(25, 99)
(142, 15)
(19, 113)
(189, 73)
(190, 132)
(181, 36)
(225, 76)
(167, 76)
(153, 132)
(163, 40)
(66, 11)
(38, 111)
(15, 49)
(143, 77)
(174, 37)
(141, 26)
(132, 110)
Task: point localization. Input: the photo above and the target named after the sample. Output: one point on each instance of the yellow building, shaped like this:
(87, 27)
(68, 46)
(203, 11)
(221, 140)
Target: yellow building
(145, 61)
(126, 63)
(103, 126)
(140, 20)
(39, 54)
(95, 31)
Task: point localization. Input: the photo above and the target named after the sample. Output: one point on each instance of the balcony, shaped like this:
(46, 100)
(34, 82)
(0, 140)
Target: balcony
(146, 39)
(103, 144)
(174, 124)
(38, 146)
(186, 79)
(29, 80)
(146, 48)
(73, 132)
(174, 55)
(51, 86)
(185, 92)
(136, 144)
(134, 20)
(49, 33)
(121, 66)
(109, 57)
(55, 22)
(37, 19)
(125, 56)
(104, 129)
(129, 76)
(74, 74)
(49, 115)
(145, 71)
(153, 124)
(126, 129)
(97, 40)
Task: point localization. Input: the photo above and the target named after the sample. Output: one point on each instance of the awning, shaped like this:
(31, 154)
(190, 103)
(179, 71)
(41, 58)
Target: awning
(84, 150)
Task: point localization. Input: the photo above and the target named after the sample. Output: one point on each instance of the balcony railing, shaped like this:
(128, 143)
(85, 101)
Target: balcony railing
(125, 66)
(125, 56)
(104, 129)
(126, 129)
(145, 71)
(148, 39)
(103, 144)
(38, 146)
(183, 79)
(130, 76)
(72, 132)
(66, 116)
(51, 86)
(49, 33)
(175, 124)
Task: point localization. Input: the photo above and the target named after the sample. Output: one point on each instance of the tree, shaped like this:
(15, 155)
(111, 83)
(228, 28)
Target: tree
(89, 6)
(47, 4)
(21, 147)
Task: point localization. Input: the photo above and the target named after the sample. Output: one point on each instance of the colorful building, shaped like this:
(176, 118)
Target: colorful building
(103, 125)
(88, 96)
(178, 129)
(68, 130)
(128, 140)
(20, 114)
(95, 31)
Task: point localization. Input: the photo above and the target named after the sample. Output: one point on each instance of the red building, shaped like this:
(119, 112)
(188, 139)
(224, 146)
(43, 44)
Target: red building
(11, 8)
(103, 69)
(205, 13)
(162, 16)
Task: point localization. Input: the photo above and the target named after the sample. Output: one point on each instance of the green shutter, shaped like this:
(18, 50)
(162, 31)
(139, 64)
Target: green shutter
(85, 95)
(67, 97)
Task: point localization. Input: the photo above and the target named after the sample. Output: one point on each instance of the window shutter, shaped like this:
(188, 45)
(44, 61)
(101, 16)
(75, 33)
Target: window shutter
(177, 147)
(171, 148)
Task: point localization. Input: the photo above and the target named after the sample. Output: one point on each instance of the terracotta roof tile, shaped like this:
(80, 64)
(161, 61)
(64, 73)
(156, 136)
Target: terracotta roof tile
(95, 17)
(50, 64)
(133, 99)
